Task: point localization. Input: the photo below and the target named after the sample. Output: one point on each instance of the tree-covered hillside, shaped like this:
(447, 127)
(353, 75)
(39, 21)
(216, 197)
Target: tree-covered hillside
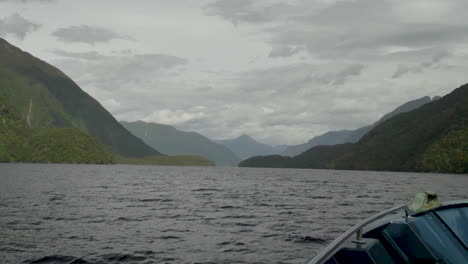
(415, 140)
(47, 98)
(19, 143)
(318, 157)
(431, 138)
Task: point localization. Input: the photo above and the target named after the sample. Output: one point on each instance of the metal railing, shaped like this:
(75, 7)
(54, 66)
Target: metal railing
(358, 229)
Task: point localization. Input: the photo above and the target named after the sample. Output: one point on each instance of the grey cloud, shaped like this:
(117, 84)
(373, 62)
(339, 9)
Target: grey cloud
(414, 35)
(249, 11)
(122, 52)
(204, 89)
(235, 11)
(90, 55)
(283, 100)
(297, 79)
(17, 25)
(439, 56)
(117, 72)
(338, 15)
(156, 61)
(352, 29)
(283, 51)
(342, 76)
(28, 1)
(86, 34)
(276, 80)
(403, 70)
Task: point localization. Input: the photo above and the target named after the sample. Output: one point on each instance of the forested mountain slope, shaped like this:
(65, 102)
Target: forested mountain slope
(47, 98)
(430, 138)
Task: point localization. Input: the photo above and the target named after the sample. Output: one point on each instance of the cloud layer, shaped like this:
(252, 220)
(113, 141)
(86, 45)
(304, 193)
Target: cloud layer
(27, 1)
(350, 28)
(17, 25)
(86, 34)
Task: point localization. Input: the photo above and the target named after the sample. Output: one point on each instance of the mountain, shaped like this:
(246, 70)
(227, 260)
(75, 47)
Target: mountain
(432, 138)
(317, 157)
(352, 136)
(47, 98)
(171, 141)
(245, 147)
(328, 138)
(20, 143)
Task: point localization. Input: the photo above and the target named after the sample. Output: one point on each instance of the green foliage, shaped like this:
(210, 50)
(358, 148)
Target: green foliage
(320, 157)
(270, 161)
(182, 160)
(448, 153)
(57, 102)
(67, 145)
(34, 99)
(19, 143)
(13, 132)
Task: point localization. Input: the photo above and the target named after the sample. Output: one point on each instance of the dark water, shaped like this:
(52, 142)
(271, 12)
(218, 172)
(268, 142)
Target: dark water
(138, 214)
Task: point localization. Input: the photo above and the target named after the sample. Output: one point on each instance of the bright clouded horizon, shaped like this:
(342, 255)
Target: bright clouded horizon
(280, 71)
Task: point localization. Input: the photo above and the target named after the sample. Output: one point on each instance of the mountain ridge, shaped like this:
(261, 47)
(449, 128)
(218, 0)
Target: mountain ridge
(245, 146)
(172, 141)
(431, 138)
(352, 136)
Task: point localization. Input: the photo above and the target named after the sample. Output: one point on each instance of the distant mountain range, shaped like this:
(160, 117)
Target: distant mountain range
(245, 147)
(49, 99)
(431, 138)
(46, 117)
(171, 141)
(352, 136)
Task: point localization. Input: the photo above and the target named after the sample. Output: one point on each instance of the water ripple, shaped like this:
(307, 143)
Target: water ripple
(143, 214)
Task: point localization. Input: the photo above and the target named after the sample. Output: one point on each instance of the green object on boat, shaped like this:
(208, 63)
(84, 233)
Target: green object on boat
(424, 201)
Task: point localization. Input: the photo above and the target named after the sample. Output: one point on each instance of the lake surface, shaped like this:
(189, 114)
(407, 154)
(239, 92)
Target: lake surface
(143, 214)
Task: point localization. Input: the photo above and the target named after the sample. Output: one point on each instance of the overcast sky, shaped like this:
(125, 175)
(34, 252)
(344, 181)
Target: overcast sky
(280, 71)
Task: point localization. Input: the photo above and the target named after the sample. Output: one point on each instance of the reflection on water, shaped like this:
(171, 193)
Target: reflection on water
(142, 214)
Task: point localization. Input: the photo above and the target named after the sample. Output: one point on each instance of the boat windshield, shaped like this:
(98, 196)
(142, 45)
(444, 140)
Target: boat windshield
(456, 219)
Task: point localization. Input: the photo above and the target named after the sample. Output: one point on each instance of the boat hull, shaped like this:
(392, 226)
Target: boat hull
(439, 235)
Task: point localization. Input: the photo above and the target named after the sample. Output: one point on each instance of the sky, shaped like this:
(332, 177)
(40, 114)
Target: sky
(280, 71)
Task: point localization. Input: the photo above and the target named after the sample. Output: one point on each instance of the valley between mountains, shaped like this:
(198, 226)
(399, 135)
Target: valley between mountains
(46, 117)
